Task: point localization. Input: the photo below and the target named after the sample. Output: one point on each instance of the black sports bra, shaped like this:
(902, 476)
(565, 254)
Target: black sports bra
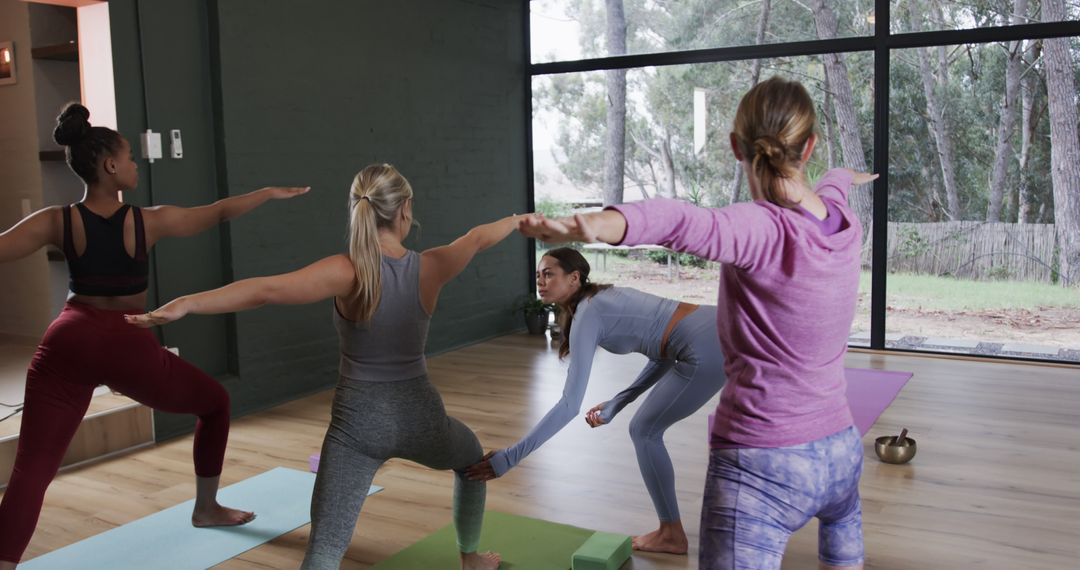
(105, 269)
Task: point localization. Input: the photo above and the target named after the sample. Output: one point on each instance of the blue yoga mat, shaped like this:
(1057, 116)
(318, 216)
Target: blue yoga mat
(281, 499)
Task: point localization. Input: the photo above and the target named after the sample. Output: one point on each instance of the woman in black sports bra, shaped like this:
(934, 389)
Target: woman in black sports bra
(106, 243)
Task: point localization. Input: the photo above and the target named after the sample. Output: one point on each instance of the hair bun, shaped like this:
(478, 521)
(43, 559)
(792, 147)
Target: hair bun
(72, 125)
(770, 148)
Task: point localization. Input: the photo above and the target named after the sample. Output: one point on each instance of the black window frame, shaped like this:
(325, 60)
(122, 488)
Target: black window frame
(881, 43)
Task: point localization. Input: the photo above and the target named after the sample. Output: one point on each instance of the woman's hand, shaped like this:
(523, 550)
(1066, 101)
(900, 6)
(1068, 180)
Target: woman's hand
(593, 417)
(285, 192)
(608, 226)
(168, 313)
(858, 178)
(578, 228)
(481, 471)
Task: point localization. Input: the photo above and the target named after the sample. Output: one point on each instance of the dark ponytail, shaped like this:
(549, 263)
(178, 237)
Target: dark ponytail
(571, 260)
(86, 145)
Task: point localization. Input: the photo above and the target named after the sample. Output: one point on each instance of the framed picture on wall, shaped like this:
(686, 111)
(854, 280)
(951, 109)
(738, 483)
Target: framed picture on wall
(7, 63)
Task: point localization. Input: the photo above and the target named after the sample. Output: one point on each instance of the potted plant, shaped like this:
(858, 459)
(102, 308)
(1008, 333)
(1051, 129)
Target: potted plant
(536, 314)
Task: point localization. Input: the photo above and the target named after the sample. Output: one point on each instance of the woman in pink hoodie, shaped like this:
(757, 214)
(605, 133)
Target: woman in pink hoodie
(783, 447)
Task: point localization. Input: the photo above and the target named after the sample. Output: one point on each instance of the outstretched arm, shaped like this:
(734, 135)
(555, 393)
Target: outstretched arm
(333, 276)
(741, 234)
(733, 234)
(608, 226)
(601, 414)
(174, 221)
(860, 178)
(584, 338)
(29, 235)
(447, 261)
(439, 265)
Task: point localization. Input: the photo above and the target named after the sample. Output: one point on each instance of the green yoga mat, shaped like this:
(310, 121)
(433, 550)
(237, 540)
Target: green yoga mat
(524, 543)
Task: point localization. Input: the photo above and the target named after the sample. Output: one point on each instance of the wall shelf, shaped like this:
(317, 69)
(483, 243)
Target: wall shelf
(58, 52)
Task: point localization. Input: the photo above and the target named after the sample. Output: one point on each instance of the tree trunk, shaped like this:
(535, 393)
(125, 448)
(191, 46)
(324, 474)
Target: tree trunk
(636, 176)
(736, 183)
(830, 134)
(934, 91)
(936, 208)
(1064, 146)
(665, 181)
(655, 179)
(843, 109)
(615, 157)
(1004, 150)
(668, 164)
(1028, 91)
(755, 76)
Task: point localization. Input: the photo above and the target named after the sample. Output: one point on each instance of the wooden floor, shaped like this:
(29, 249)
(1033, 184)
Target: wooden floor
(996, 483)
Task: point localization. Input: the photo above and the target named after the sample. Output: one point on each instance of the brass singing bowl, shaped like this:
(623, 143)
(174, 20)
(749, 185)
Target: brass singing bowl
(891, 451)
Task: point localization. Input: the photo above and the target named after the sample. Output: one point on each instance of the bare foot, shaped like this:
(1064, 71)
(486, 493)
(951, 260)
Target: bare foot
(217, 515)
(662, 540)
(480, 561)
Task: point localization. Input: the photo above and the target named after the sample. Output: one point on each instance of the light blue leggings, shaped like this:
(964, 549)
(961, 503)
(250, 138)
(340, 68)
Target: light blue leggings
(755, 498)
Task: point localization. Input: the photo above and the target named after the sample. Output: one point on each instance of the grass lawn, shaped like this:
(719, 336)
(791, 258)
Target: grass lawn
(919, 305)
(945, 293)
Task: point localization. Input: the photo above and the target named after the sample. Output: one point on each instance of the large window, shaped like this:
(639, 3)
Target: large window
(973, 251)
(973, 14)
(968, 245)
(577, 29)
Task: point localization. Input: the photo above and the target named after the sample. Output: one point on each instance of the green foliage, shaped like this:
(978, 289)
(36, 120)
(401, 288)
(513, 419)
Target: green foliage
(660, 103)
(684, 259)
(553, 208)
(1000, 273)
(912, 243)
(695, 195)
(531, 305)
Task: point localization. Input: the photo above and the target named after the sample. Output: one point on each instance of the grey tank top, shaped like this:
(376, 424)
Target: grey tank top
(389, 346)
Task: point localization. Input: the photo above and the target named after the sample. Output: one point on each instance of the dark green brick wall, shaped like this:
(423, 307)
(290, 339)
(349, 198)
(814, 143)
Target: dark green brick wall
(280, 92)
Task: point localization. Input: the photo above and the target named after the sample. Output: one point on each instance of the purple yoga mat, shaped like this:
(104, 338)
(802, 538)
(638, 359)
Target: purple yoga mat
(869, 392)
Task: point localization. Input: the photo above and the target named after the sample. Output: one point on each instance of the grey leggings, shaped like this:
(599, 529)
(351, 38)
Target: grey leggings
(371, 423)
(691, 376)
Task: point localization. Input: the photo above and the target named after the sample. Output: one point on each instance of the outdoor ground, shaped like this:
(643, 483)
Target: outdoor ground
(995, 314)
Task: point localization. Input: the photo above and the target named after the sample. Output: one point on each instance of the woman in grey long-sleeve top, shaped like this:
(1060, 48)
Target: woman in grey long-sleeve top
(685, 364)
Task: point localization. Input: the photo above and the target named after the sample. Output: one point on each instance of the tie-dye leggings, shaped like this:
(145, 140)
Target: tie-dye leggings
(755, 498)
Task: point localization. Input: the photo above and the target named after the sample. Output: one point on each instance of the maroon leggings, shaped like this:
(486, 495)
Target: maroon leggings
(84, 347)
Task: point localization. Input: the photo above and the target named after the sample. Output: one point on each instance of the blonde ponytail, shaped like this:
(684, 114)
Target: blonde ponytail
(377, 194)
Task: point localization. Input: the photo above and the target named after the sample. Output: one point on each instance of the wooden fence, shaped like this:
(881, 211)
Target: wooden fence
(972, 250)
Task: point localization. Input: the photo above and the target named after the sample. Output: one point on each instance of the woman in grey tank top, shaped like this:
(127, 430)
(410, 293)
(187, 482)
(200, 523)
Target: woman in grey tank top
(384, 405)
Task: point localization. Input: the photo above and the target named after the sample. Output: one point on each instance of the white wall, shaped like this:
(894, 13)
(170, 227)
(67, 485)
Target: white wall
(96, 64)
(24, 304)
